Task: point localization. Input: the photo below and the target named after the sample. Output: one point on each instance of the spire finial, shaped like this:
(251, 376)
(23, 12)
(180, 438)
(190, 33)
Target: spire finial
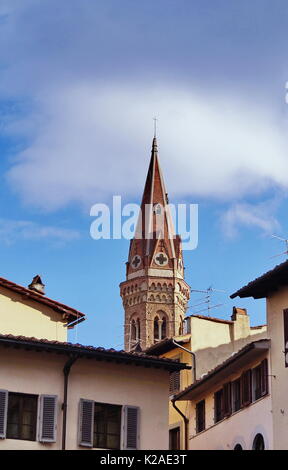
(155, 126)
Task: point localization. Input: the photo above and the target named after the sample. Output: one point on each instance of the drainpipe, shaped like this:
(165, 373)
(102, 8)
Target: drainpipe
(66, 372)
(186, 420)
(192, 354)
(186, 423)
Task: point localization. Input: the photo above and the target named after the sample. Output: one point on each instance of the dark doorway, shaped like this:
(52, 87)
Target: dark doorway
(174, 439)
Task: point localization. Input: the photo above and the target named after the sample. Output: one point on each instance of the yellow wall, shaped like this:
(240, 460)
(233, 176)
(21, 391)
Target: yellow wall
(20, 316)
(42, 373)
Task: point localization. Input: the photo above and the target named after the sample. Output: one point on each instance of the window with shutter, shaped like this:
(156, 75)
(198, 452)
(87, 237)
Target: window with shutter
(48, 418)
(246, 388)
(285, 315)
(236, 395)
(227, 409)
(22, 416)
(107, 426)
(174, 379)
(86, 422)
(264, 377)
(200, 416)
(218, 406)
(130, 427)
(3, 412)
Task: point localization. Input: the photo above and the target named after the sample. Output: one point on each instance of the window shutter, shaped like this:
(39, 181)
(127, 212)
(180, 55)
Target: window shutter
(3, 412)
(264, 377)
(130, 422)
(246, 389)
(285, 314)
(47, 418)
(86, 422)
(227, 399)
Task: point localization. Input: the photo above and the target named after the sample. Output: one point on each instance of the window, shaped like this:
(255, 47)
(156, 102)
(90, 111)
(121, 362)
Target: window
(101, 425)
(218, 406)
(200, 416)
(156, 329)
(22, 416)
(174, 439)
(107, 426)
(256, 383)
(258, 443)
(246, 391)
(285, 315)
(227, 399)
(236, 395)
(238, 447)
(174, 379)
(164, 329)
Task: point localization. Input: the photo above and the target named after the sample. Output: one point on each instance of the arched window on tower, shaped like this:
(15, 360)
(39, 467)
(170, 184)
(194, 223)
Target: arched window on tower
(133, 331)
(138, 332)
(164, 328)
(156, 329)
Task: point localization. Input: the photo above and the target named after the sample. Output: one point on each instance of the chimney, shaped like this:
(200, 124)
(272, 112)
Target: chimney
(37, 285)
(238, 311)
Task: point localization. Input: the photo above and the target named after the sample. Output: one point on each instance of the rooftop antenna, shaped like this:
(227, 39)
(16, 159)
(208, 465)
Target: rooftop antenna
(285, 240)
(206, 300)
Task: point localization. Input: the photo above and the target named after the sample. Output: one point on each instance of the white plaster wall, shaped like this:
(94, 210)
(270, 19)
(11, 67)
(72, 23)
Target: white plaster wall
(275, 306)
(42, 373)
(239, 428)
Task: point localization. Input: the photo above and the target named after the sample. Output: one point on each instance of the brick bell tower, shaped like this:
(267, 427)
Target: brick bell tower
(154, 294)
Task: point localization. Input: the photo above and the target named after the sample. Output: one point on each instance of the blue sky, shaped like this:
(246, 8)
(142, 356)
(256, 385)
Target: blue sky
(80, 82)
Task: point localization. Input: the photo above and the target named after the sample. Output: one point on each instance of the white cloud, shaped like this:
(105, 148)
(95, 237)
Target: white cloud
(95, 141)
(261, 216)
(13, 230)
(89, 139)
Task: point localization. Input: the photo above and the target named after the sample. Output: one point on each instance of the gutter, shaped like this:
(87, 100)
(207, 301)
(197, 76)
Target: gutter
(186, 423)
(66, 372)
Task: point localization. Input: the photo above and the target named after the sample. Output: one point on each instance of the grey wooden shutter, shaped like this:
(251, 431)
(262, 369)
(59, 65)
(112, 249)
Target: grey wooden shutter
(3, 412)
(246, 388)
(47, 418)
(227, 409)
(285, 314)
(131, 428)
(264, 377)
(86, 422)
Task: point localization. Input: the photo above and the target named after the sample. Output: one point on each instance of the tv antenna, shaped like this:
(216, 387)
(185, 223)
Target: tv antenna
(285, 240)
(206, 300)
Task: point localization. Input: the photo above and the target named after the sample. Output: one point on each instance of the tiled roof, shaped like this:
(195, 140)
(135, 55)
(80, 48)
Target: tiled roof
(30, 294)
(260, 344)
(167, 344)
(90, 351)
(265, 284)
(217, 320)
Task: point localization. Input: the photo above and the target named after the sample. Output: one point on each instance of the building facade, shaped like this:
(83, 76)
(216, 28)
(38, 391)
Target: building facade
(56, 395)
(207, 343)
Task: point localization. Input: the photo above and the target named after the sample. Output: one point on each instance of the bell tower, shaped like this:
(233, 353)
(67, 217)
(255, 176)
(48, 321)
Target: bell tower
(154, 293)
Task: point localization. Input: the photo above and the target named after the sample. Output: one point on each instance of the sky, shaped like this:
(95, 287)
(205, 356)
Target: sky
(80, 83)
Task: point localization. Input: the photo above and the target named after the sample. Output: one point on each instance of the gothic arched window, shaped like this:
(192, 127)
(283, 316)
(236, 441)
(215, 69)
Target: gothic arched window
(138, 335)
(164, 328)
(133, 331)
(156, 329)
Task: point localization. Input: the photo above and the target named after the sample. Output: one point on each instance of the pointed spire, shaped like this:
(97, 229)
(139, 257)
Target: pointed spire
(155, 226)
